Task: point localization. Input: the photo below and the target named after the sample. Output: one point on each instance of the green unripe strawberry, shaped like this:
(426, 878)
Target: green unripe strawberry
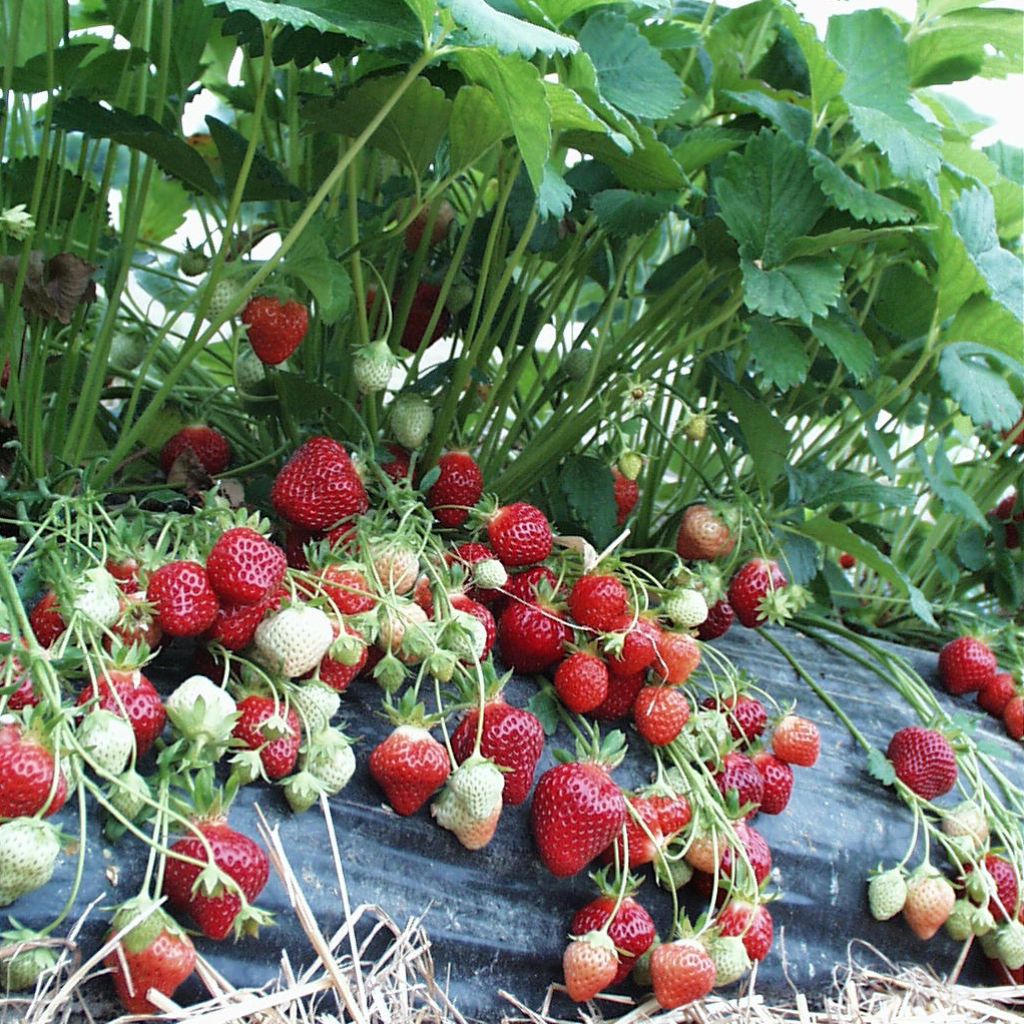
(471, 801)
(128, 349)
(97, 597)
(193, 262)
(411, 421)
(29, 849)
(631, 465)
(672, 874)
(977, 885)
(490, 574)
(302, 790)
(223, 300)
(968, 820)
(887, 892)
(128, 794)
(577, 363)
(316, 704)
(686, 608)
(730, 957)
(250, 371)
(642, 967)
(21, 970)
(331, 760)
(460, 295)
(1010, 944)
(465, 636)
(982, 921)
(372, 366)
(960, 923)
(203, 712)
(989, 944)
(696, 427)
(108, 741)
(441, 665)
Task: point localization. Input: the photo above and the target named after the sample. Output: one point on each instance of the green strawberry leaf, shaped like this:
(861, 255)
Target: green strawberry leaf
(486, 26)
(589, 488)
(544, 704)
(631, 73)
(623, 213)
(779, 354)
(265, 181)
(870, 48)
(842, 336)
(800, 290)
(881, 767)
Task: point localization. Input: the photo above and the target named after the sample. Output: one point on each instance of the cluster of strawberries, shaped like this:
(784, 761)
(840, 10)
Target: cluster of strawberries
(372, 588)
(968, 665)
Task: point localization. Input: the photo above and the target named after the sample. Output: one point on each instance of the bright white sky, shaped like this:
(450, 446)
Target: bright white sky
(1001, 100)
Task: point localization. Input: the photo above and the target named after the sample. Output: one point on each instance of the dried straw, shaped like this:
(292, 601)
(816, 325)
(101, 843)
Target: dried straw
(371, 971)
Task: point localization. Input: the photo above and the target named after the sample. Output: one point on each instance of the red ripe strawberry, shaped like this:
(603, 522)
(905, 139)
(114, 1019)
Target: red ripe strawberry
(924, 760)
(1003, 904)
(209, 446)
(660, 712)
(464, 603)
(1004, 513)
(966, 664)
(336, 674)
(133, 697)
(276, 329)
(155, 954)
(1013, 717)
(126, 572)
(720, 619)
(420, 312)
(27, 772)
(589, 964)
(532, 636)
(25, 695)
(46, 620)
(847, 561)
(739, 773)
(577, 811)
(398, 466)
(746, 716)
(599, 602)
(520, 534)
(343, 538)
(1016, 433)
(582, 682)
(186, 604)
(644, 836)
(996, 694)
(136, 625)
(456, 490)
(797, 741)
(758, 852)
(295, 541)
(1003, 975)
(622, 694)
(677, 657)
(674, 813)
(753, 923)
(235, 624)
(278, 741)
(242, 860)
(524, 586)
(703, 535)
(639, 648)
(410, 766)
(348, 589)
(750, 586)
(631, 929)
(442, 222)
(778, 782)
(627, 492)
(681, 972)
(467, 555)
(243, 566)
(318, 486)
(512, 738)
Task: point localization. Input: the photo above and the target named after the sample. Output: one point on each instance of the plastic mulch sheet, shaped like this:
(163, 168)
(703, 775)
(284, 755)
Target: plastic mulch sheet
(498, 920)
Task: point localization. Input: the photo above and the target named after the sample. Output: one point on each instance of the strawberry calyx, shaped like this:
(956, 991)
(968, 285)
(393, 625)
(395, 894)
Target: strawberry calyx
(145, 920)
(609, 882)
(410, 712)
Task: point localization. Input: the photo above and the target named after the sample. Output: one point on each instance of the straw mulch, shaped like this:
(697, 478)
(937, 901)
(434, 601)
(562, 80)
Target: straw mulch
(385, 975)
